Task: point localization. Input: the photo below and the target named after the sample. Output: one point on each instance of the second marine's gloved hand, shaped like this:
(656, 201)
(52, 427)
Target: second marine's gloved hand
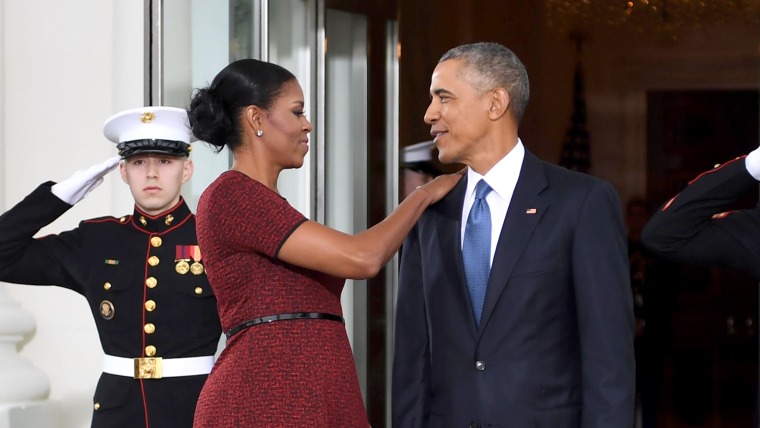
(76, 187)
(752, 162)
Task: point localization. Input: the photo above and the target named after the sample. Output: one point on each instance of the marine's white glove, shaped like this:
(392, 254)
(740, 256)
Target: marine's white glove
(76, 187)
(752, 162)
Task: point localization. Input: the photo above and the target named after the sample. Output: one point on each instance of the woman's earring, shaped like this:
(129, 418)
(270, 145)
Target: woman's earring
(259, 133)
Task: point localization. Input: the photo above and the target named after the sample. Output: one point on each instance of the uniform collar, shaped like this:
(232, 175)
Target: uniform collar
(163, 222)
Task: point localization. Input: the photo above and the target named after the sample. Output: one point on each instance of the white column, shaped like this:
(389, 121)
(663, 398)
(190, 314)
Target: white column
(23, 387)
(20, 380)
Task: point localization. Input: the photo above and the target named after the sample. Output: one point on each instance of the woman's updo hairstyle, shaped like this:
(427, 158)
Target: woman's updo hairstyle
(215, 110)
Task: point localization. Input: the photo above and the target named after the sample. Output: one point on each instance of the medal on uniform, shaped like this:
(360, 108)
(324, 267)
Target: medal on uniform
(196, 268)
(182, 267)
(190, 253)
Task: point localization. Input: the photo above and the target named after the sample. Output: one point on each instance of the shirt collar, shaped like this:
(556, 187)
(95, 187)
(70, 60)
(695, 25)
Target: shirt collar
(502, 177)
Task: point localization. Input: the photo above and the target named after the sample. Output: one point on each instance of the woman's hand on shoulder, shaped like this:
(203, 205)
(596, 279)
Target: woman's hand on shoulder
(442, 185)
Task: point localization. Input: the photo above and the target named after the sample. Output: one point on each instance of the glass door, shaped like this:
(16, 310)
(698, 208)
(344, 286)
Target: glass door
(192, 41)
(288, 37)
(345, 155)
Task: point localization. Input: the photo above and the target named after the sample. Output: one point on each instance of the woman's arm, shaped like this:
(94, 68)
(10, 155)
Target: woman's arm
(318, 247)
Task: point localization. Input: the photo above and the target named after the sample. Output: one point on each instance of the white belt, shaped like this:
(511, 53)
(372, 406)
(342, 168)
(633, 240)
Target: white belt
(157, 367)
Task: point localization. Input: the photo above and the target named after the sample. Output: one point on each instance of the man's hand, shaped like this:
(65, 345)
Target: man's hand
(76, 187)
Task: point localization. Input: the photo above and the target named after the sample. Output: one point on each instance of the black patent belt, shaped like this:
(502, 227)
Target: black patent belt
(284, 317)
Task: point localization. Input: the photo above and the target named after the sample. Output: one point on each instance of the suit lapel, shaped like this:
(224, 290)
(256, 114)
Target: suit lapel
(525, 210)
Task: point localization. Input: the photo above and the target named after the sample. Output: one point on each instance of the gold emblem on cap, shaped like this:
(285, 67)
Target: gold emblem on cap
(147, 117)
(106, 309)
(196, 268)
(150, 305)
(150, 350)
(153, 261)
(143, 221)
(198, 290)
(182, 267)
(169, 219)
(151, 282)
(156, 241)
(149, 328)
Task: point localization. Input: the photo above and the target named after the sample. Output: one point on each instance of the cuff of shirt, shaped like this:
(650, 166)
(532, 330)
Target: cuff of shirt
(752, 163)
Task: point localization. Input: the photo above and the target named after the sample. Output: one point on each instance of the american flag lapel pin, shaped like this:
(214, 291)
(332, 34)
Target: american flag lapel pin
(531, 211)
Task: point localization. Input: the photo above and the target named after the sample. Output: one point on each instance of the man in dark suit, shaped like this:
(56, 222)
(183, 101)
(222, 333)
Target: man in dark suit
(535, 328)
(142, 274)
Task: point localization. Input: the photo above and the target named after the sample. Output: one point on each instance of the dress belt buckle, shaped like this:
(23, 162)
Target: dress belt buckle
(149, 368)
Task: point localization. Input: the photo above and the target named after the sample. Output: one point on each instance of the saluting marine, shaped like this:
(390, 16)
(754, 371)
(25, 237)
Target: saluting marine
(142, 274)
(693, 226)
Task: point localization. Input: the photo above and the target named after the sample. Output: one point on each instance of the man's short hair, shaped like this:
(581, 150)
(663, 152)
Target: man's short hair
(490, 65)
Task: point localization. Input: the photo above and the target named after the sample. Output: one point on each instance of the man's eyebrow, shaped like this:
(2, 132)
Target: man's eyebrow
(442, 91)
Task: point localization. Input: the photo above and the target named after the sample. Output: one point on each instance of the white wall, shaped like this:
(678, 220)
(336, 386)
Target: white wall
(68, 66)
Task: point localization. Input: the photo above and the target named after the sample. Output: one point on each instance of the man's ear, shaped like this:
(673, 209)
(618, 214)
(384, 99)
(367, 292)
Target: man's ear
(187, 171)
(123, 171)
(499, 99)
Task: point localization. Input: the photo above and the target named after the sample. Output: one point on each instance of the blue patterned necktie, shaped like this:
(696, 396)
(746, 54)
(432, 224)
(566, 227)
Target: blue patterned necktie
(476, 249)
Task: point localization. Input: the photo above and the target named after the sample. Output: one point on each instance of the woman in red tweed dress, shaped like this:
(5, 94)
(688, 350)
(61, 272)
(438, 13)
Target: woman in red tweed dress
(278, 276)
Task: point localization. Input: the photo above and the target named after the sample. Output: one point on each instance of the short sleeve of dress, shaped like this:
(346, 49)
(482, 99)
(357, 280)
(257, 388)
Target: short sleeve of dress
(239, 213)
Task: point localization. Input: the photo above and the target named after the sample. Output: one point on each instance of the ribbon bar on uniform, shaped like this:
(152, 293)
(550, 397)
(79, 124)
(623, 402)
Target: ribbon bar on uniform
(284, 317)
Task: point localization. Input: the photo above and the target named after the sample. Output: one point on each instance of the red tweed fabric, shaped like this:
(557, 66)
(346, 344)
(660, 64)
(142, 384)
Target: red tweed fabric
(296, 373)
